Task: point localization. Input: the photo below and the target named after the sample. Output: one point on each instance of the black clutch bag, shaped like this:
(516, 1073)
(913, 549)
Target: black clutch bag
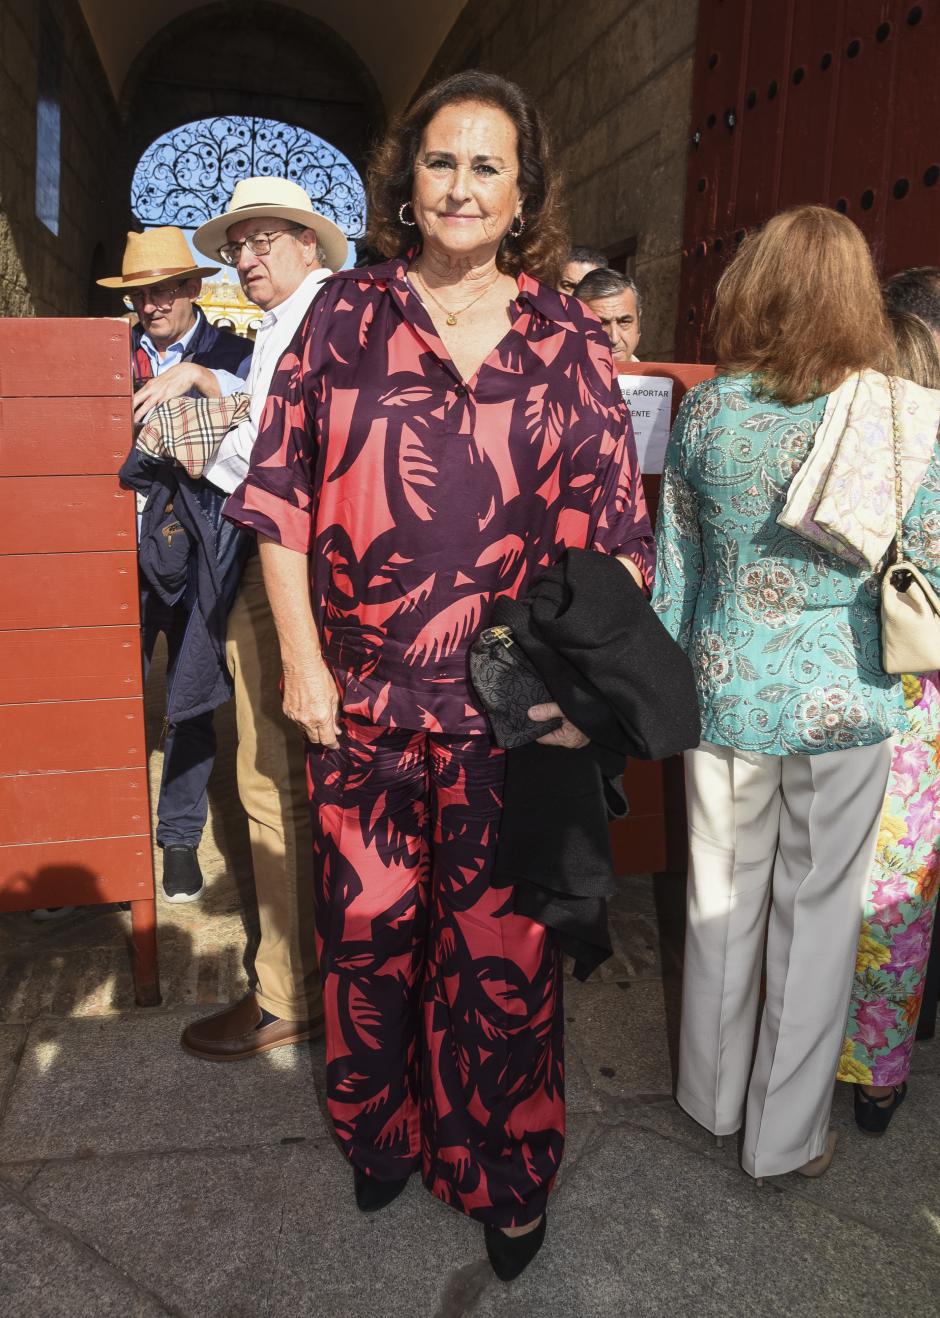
(508, 686)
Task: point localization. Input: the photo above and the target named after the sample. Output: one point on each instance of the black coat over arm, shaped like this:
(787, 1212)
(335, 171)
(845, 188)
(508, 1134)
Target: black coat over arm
(619, 677)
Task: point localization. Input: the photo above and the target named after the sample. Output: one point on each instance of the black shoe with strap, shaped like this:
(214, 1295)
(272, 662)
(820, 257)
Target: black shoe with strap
(873, 1115)
(510, 1255)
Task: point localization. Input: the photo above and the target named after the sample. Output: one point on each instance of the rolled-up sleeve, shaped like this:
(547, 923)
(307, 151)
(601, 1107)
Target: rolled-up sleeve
(276, 497)
(230, 383)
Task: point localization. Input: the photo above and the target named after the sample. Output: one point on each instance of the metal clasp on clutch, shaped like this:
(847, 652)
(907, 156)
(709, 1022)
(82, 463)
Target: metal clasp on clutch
(497, 636)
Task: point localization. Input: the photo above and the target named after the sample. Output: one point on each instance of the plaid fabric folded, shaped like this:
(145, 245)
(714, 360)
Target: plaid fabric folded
(188, 431)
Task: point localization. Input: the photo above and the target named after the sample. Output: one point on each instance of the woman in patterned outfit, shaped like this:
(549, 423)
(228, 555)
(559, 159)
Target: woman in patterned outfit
(444, 426)
(785, 791)
(901, 895)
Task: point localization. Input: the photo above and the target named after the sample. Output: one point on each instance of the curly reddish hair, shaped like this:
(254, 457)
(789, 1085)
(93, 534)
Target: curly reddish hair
(542, 248)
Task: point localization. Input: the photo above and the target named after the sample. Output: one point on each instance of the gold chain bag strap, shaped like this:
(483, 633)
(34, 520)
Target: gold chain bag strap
(910, 608)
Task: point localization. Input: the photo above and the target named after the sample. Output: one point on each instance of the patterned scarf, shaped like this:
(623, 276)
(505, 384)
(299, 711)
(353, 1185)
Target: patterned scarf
(842, 498)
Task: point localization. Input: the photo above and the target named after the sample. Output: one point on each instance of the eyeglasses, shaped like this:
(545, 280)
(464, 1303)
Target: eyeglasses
(259, 244)
(161, 298)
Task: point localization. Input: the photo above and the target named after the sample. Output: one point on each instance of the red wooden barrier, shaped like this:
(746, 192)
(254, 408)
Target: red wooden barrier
(97, 445)
(55, 590)
(74, 809)
(90, 514)
(652, 837)
(69, 663)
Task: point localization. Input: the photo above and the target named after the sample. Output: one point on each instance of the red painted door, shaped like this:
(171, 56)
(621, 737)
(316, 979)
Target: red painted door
(834, 103)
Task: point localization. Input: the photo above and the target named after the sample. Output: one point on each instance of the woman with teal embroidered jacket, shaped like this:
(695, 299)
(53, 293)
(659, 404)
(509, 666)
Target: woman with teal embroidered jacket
(785, 792)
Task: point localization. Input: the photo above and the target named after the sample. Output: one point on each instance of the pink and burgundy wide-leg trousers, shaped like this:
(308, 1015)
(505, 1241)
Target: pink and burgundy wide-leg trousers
(444, 1024)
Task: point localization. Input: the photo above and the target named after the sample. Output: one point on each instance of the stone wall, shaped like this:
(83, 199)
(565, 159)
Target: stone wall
(615, 80)
(43, 273)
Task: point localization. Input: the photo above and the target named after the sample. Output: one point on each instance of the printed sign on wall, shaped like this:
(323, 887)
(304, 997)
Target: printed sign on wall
(649, 398)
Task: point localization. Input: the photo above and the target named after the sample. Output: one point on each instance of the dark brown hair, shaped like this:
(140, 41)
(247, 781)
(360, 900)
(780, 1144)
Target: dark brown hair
(917, 292)
(605, 282)
(918, 358)
(542, 248)
(800, 307)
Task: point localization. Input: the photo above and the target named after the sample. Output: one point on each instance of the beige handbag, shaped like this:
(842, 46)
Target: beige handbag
(910, 608)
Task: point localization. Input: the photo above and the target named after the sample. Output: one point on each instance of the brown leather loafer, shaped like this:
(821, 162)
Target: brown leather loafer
(231, 1035)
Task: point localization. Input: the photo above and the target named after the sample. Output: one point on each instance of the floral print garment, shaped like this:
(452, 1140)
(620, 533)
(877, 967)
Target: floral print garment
(421, 497)
(444, 1013)
(783, 636)
(900, 903)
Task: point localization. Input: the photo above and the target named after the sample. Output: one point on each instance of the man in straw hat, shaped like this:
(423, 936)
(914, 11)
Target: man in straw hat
(283, 251)
(175, 352)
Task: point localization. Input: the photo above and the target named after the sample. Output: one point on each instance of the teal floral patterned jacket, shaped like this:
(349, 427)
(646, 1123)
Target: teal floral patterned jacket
(783, 636)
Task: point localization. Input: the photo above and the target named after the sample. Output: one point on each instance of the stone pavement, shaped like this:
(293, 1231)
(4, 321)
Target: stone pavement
(136, 1180)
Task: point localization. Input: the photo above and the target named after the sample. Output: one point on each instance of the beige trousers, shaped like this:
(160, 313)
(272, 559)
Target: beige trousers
(794, 834)
(272, 787)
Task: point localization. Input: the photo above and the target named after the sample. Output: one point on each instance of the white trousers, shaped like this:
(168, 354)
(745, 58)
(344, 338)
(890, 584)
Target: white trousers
(797, 834)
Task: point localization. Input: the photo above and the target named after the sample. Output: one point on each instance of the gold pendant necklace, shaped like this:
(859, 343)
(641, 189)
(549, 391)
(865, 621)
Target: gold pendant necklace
(452, 315)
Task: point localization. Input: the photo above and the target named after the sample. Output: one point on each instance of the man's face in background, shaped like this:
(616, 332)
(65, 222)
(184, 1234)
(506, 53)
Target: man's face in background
(621, 321)
(572, 274)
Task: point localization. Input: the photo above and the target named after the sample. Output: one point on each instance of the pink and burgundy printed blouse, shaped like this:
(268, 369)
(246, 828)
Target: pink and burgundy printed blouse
(420, 497)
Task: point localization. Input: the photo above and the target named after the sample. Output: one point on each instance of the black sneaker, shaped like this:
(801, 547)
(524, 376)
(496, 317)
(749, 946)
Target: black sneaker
(182, 877)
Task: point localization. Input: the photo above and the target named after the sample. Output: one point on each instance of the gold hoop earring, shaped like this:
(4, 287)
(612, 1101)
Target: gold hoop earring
(401, 215)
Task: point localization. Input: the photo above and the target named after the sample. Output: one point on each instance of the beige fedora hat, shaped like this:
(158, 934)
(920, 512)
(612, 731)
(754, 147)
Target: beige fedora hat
(279, 198)
(154, 256)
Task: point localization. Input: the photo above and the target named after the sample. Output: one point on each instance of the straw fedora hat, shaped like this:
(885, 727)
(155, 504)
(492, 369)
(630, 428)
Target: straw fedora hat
(279, 199)
(154, 256)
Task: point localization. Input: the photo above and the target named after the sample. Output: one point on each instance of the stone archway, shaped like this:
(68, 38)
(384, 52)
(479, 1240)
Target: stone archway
(243, 58)
(259, 59)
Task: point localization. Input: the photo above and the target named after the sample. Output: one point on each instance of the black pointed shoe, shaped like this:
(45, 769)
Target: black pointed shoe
(510, 1255)
(371, 1195)
(873, 1115)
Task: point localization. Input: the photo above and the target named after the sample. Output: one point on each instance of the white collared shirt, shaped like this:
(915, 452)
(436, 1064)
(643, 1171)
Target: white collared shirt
(229, 467)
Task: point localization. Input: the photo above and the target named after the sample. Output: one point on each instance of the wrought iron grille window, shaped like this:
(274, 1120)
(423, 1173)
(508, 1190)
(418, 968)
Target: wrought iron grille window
(188, 175)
